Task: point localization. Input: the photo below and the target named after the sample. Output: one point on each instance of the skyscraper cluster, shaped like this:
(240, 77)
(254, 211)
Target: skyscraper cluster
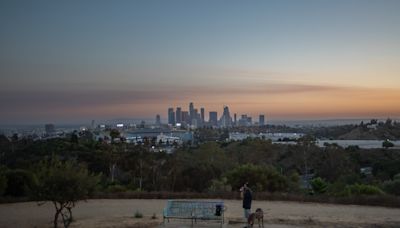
(194, 118)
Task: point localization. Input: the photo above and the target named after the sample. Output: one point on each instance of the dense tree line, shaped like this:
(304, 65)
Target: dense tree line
(211, 166)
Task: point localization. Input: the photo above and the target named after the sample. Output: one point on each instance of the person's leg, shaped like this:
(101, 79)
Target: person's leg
(246, 216)
(246, 213)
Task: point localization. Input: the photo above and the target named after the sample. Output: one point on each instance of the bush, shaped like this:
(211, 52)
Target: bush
(362, 189)
(19, 182)
(3, 181)
(294, 182)
(319, 186)
(116, 188)
(220, 185)
(392, 187)
(138, 214)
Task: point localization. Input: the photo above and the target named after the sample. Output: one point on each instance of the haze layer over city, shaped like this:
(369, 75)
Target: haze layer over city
(75, 61)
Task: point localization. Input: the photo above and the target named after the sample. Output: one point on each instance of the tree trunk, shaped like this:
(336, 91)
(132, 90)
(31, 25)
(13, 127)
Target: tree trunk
(58, 211)
(140, 173)
(112, 171)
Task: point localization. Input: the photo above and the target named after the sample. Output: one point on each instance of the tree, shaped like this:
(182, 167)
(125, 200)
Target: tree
(260, 178)
(74, 137)
(306, 142)
(63, 184)
(386, 144)
(114, 133)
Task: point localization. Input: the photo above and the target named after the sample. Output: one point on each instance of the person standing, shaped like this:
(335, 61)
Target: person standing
(247, 196)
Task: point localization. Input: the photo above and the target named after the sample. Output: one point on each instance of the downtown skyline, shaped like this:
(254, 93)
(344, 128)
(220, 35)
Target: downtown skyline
(77, 61)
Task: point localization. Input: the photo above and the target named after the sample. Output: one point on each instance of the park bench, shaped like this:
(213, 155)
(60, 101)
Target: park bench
(194, 210)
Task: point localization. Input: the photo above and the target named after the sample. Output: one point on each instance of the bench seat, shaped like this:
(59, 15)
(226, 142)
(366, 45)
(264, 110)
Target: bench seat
(194, 210)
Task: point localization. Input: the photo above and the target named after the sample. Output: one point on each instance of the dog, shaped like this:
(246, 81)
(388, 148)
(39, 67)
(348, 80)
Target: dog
(259, 215)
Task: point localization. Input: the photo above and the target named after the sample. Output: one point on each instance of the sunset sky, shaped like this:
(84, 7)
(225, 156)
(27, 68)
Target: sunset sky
(73, 61)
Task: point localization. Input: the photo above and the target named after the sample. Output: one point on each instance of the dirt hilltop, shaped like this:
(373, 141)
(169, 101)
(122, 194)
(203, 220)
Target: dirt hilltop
(120, 213)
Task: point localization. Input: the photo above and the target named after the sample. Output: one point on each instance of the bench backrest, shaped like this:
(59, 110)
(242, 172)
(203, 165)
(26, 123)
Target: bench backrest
(194, 209)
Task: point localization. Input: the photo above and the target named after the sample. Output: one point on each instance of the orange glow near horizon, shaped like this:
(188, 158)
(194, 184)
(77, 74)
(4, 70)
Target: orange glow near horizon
(333, 103)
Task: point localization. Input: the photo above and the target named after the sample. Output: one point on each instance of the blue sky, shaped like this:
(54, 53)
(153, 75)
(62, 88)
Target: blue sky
(72, 61)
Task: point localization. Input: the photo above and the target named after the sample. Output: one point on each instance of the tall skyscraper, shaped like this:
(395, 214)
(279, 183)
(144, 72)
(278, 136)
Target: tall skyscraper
(195, 118)
(178, 113)
(191, 112)
(261, 120)
(202, 114)
(226, 119)
(213, 118)
(185, 117)
(234, 119)
(171, 116)
(158, 119)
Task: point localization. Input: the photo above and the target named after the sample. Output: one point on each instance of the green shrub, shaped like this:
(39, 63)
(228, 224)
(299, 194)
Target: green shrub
(116, 188)
(294, 182)
(138, 214)
(362, 189)
(3, 183)
(19, 182)
(319, 186)
(220, 185)
(392, 187)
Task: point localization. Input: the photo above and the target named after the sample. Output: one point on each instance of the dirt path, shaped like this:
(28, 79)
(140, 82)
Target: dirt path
(119, 213)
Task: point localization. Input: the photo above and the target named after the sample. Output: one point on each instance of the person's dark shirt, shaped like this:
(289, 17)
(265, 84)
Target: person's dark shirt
(247, 197)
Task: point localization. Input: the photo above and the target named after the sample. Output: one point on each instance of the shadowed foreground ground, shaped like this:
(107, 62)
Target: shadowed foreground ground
(119, 213)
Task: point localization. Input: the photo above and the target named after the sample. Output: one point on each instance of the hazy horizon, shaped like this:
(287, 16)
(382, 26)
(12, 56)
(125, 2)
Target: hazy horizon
(289, 122)
(74, 61)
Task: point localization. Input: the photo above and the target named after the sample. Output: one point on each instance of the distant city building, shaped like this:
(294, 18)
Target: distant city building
(261, 120)
(178, 113)
(234, 119)
(226, 119)
(50, 129)
(195, 118)
(202, 115)
(289, 138)
(158, 119)
(245, 121)
(185, 117)
(213, 118)
(191, 112)
(171, 116)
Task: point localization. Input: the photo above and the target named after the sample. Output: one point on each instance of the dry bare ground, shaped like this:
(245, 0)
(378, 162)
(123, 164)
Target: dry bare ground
(120, 213)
